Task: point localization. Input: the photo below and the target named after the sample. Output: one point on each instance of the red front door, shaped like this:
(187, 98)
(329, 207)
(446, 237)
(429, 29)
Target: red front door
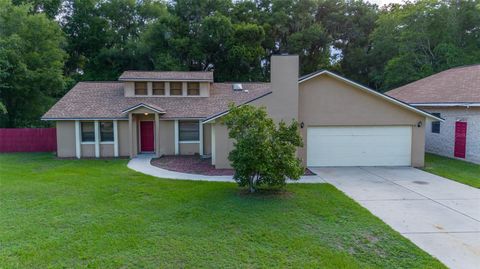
(147, 135)
(460, 139)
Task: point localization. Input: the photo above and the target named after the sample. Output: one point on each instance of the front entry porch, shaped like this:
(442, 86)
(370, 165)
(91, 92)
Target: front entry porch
(149, 132)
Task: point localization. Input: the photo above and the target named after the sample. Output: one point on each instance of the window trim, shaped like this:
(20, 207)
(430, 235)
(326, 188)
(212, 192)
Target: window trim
(135, 88)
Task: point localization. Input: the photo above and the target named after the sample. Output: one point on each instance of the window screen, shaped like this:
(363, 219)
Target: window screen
(140, 88)
(193, 88)
(175, 88)
(106, 131)
(188, 131)
(88, 132)
(158, 88)
(436, 124)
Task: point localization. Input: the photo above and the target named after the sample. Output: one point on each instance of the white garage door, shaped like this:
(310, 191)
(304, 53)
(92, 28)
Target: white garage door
(359, 146)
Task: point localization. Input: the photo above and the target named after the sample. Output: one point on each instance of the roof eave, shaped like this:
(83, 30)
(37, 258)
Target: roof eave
(82, 118)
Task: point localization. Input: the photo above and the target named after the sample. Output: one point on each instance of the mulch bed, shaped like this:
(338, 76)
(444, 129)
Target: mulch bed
(190, 164)
(193, 164)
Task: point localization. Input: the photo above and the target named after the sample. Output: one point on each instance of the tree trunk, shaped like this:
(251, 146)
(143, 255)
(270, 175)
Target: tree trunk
(251, 185)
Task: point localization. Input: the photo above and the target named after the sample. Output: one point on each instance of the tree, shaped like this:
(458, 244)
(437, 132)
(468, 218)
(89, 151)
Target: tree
(264, 153)
(31, 65)
(415, 40)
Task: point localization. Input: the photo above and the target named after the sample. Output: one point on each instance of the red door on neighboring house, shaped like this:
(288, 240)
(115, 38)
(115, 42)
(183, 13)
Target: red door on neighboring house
(147, 136)
(460, 139)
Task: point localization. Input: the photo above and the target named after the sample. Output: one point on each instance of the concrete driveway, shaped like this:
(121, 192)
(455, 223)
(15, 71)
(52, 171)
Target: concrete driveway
(438, 215)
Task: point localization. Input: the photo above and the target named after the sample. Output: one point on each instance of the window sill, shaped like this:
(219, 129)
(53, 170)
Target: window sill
(107, 143)
(189, 142)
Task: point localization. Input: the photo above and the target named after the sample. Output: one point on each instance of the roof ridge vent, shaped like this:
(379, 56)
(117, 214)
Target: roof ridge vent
(237, 87)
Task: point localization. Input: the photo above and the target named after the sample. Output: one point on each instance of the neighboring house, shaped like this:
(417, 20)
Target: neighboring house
(453, 95)
(166, 113)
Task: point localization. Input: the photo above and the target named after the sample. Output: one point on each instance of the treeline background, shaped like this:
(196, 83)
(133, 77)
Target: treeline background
(46, 46)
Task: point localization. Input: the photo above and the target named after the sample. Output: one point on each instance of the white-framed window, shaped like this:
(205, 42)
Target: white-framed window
(189, 131)
(88, 131)
(106, 131)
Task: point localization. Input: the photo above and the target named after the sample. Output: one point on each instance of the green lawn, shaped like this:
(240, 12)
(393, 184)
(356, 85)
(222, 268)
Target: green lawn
(99, 214)
(463, 172)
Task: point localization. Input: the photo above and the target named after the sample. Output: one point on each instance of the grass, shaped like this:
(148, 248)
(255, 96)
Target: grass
(463, 172)
(99, 214)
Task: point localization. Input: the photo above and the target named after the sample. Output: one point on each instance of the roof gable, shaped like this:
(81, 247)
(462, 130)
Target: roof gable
(368, 91)
(153, 108)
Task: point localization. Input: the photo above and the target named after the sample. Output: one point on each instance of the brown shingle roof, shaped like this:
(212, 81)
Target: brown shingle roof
(106, 100)
(456, 85)
(166, 75)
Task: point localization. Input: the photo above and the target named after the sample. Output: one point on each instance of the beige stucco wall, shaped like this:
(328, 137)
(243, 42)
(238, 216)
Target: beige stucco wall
(207, 139)
(326, 101)
(65, 139)
(123, 145)
(87, 150)
(167, 137)
(106, 150)
(223, 145)
(188, 148)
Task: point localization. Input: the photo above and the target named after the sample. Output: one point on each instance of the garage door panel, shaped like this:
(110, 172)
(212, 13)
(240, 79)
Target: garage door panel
(359, 146)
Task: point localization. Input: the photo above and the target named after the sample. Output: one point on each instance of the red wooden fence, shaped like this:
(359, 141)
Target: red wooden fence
(28, 139)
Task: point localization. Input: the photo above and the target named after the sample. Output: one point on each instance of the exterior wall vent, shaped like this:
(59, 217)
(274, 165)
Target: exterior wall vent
(237, 87)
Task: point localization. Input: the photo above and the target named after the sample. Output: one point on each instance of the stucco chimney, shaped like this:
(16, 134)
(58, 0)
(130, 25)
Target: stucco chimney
(284, 80)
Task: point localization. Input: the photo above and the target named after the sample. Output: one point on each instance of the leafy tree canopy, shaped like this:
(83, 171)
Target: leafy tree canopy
(382, 47)
(31, 64)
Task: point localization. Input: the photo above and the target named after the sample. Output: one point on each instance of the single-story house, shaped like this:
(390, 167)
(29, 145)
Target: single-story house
(453, 95)
(166, 113)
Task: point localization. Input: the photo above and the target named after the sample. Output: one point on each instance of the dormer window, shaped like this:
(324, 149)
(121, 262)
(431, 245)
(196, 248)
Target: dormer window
(141, 88)
(158, 88)
(193, 88)
(176, 88)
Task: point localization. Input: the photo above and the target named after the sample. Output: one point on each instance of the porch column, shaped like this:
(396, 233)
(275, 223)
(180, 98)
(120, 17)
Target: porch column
(115, 138)
(213, 143)
(157, 135)
(176, 137)
(130, 134)
(200, 126)
(78, 134)
(97, 139)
